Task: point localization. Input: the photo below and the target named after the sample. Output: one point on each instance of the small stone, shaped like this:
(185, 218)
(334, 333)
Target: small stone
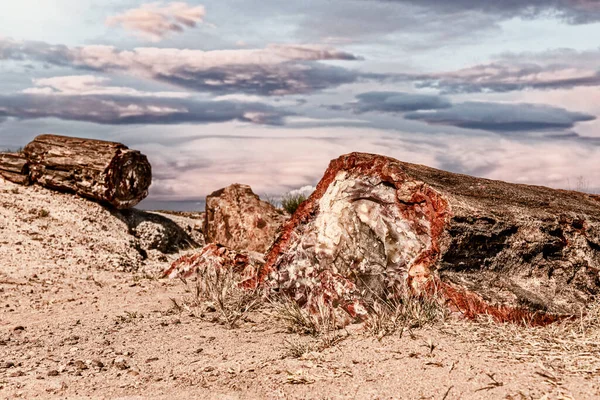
(53, 372)
(7, 364)
(98, 364)
(80, 365)
(120, 363)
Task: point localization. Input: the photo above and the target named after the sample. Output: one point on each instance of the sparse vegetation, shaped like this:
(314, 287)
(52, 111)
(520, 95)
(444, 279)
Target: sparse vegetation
(581, 184)
(569, 347)
(127, 317)
(218, 290)
(402, 310)
(321, 324)
(291, 201)
(272, 200)
(296, 348)
(39, 212)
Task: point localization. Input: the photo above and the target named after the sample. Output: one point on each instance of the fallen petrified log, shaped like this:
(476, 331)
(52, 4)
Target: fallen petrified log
(238, 219)
(376, 226)
(14, 168)
(107, 172)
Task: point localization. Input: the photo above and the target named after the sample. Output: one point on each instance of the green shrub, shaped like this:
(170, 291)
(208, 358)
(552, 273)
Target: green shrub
(291, 202)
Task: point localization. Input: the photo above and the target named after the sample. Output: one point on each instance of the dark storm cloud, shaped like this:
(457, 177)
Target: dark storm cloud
(121, 110)
(397, 102)
(274, 70)
(500, 117)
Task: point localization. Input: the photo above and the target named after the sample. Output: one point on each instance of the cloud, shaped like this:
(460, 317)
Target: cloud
(502, 117)
(155, 21)
(124, 110)
(397, 102)
(86, 85)
(279, 160)
(274, 70)
(556, 69)
(571, 11)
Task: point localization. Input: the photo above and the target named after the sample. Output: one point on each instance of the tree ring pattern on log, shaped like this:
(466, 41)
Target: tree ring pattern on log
(107, 172)
(128, 178)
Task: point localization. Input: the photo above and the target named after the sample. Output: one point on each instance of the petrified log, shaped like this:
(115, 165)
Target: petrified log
(376, 226)
(238, 219)
(104, 171)
(14, 167)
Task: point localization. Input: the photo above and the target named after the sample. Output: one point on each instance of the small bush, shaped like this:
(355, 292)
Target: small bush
(291, 202)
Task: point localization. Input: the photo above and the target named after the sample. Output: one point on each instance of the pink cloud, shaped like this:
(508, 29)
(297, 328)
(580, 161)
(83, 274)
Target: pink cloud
(154, 21)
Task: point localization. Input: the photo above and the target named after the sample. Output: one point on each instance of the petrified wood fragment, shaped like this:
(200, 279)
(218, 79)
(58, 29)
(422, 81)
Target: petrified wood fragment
(215, 256)
(238, 219)
(14, 167)
(104, 171)
(376, 226)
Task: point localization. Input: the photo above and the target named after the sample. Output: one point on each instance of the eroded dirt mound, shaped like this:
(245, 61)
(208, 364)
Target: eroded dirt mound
(46, 229)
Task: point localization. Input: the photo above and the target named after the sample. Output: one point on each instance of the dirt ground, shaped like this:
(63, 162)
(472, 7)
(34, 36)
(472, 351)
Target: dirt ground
(73, 326)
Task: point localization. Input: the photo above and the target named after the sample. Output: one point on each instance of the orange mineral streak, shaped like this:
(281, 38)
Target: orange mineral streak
(470, 305)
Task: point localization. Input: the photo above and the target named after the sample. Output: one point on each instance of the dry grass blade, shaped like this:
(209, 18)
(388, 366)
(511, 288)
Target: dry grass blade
(569, 347)
(219, 287)
(321, 322)
(297, 348)
(295, 318)
(397, 312)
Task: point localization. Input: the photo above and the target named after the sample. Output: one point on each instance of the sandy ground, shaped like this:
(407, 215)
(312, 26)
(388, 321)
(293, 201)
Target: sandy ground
(74, 324)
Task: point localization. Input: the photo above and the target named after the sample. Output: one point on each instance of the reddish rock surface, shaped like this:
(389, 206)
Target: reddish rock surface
(215, 256)
(376, 226)
(239, 220)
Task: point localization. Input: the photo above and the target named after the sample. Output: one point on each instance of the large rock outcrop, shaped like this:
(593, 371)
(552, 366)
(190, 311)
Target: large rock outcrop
(239, 220)
(376, 226)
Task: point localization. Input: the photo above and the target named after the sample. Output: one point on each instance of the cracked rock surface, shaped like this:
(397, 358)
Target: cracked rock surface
(376, 226)
(238, 219)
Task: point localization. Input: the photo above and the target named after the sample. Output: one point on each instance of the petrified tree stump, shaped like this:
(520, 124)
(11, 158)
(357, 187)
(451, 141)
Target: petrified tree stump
(104, 171)
(14, 167)
(238, 219)
(376, 226)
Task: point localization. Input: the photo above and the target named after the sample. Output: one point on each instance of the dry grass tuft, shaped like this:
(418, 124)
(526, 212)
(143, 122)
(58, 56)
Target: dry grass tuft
(386, 316)
(321, 324)
(296, 348)
(216, 289)
(569, 347)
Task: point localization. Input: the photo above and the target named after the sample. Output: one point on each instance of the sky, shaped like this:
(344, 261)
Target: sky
(267, 92)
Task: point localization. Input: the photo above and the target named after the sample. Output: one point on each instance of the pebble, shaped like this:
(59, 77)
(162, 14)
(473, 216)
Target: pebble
(120, 363)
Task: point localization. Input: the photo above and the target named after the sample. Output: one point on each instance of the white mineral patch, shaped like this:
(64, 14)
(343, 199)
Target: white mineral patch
(349, 202)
